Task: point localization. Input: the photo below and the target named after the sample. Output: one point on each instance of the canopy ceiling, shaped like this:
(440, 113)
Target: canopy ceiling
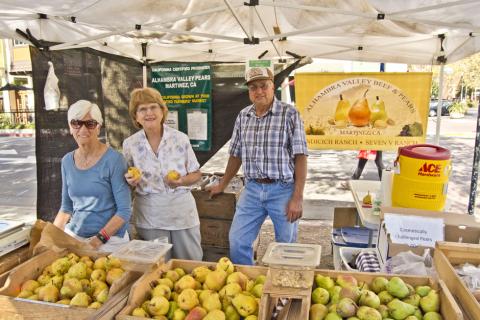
(406, 31)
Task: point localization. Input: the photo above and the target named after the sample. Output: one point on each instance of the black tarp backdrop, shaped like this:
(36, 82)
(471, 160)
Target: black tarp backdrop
(107, 81)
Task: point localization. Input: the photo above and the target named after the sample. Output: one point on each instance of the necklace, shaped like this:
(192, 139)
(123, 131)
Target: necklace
(86, 160)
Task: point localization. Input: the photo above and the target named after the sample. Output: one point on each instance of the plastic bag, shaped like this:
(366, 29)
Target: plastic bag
(409, 263)
(470, 274)
(51, 92)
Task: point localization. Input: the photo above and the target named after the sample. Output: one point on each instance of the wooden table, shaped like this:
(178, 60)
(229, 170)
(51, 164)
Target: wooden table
(359, 189)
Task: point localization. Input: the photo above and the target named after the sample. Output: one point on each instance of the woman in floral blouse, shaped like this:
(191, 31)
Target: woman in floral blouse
(163, 204)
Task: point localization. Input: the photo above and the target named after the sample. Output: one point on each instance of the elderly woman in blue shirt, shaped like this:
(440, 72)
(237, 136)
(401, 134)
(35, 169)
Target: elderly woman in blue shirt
(96, 201)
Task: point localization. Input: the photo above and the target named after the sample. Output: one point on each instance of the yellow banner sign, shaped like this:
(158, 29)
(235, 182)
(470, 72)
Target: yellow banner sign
(356, 111)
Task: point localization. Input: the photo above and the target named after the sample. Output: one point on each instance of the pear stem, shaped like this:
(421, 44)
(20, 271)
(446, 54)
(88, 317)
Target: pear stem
(365, 94)
(378, 98)
(341, 97)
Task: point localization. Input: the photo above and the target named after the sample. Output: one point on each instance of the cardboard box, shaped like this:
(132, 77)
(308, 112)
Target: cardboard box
(141, 289)
(27, 309)
(447, 256)
(457, 228)
(215, 232)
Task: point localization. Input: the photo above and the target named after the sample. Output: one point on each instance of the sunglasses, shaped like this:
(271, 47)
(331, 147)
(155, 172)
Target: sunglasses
(89, 124)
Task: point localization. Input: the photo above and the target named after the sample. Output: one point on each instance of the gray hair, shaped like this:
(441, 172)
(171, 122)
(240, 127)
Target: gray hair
(81, 108)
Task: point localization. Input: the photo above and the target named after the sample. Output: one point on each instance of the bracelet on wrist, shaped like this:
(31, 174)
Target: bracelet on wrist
(105, 234)
(101, 238)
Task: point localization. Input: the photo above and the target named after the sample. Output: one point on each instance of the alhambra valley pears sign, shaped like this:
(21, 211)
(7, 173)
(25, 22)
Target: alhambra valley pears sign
(373, 111)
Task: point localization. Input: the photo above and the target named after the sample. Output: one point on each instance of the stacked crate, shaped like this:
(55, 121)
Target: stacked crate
(216, 217)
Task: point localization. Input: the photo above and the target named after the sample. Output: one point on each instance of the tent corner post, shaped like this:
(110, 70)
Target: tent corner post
(476, 160)
(440, 103)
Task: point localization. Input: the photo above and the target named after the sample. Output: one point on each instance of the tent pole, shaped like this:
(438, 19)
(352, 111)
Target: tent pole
(476, 160)
(144, 68)
(439, 106)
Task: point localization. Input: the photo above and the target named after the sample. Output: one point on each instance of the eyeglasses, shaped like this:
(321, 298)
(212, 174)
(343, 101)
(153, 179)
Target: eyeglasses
(89, 124)
(262, 86)
(152, 108)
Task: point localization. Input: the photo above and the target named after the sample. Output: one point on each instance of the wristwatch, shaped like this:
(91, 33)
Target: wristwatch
(101, 238)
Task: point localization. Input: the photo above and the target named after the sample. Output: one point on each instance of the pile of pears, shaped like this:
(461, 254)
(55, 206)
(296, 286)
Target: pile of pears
(216, 293)
(345, 298)
(73, 280)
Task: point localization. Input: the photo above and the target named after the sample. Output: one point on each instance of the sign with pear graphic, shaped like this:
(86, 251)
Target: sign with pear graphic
(373, 111)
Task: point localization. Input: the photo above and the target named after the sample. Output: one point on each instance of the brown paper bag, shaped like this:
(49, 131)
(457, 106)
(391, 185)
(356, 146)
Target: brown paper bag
(53, 238)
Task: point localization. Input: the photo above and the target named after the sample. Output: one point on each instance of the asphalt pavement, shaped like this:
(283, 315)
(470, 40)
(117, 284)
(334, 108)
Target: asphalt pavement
(327, 169)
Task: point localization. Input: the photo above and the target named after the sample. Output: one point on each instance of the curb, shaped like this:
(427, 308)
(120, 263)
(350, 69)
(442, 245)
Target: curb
(17, 132)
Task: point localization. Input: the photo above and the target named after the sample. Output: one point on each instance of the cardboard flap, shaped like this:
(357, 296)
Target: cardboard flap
(53, 238)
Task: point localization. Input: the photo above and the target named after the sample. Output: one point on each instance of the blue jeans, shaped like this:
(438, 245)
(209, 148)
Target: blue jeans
(256, 202)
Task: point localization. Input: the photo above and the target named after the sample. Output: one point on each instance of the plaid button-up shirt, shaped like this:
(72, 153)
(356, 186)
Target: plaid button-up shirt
(267, 145)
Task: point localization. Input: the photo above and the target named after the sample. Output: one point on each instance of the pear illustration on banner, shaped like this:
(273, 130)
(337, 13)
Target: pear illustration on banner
(378, 111)
(359, 113)
(341, 112)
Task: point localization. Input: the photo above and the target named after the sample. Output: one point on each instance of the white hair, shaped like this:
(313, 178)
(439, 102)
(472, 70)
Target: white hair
(81, 108)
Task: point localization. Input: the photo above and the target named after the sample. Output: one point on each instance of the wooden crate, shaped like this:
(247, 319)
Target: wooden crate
(222, 206)
(214, 232)
(140, 290)
(213, 254)
(448, 307)
(26, 309)
(449, 254)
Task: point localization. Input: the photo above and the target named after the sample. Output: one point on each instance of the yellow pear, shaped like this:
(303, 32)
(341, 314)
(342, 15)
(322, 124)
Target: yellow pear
(102, 296)
(64, 301)
(230, 290)
(81, 299)
(78, 270)
(245, 304)
(165, 281)
(25, 294)
(161, 290)
(158, 306)
(112, 262)
(341, 112)
(139, 312)
(187, 299)
(215, 280)
(215, 315)
(114, 274)
(100, 263)
(29, 285)
(225, 264)
(95, 305)
(185, 282)
(238, 277)
(98, 274)
(87, 261)
(61, 266)
(212, 302)
(378, 111)
(70, 288)
(73, 257)
(172, 275)
(200, 273)
(48, 293)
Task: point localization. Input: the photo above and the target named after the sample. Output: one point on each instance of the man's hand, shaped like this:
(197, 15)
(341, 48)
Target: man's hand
(294, 209)
(215, 189)
(131, 180)
(94, 242)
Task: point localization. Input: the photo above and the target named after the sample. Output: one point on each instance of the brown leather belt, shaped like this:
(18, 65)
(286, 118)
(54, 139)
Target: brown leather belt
(265, 180)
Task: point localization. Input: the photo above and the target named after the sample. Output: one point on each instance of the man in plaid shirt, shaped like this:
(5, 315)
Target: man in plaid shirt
(269, 141)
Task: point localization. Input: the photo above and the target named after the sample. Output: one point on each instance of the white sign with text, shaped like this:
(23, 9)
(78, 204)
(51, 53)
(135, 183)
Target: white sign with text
(414, 230)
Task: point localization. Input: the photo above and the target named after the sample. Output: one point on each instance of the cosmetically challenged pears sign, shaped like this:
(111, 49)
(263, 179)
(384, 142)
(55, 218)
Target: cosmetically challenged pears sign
(187, 91)
(372, 111)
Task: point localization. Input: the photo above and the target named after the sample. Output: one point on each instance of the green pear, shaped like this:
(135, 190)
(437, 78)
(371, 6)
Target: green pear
(231, 313)
(385, 297)
(318, 312)
(245, 304)
(346, 308)
(320, 295)
(399, 310)
(158, 306)
(414, 300)
(397, 288)
(369, 299)
(260, 279)
(351, 293)
(187, 299)
(332, 316)
(367, 313)
(379, 284)
(432, 315)
(81, 299)
(411, 318)
(422, 291)
(258, 290)
(324, 282)
(171, 309)
(383, 309)
(431, 302)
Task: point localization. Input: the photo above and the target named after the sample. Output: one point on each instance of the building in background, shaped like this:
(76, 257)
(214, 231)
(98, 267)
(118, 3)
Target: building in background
(16, 70)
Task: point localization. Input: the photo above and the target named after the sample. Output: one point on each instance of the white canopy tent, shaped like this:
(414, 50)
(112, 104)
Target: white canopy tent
(407, 31)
